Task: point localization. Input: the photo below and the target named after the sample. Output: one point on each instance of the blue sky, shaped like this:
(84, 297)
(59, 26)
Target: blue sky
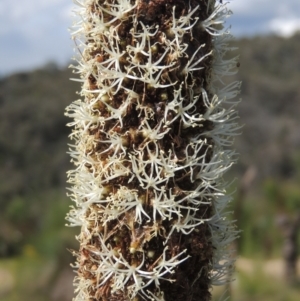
(34, 32)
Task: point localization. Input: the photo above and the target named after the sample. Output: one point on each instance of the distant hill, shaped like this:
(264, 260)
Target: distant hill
(33, 132)
(270, 110)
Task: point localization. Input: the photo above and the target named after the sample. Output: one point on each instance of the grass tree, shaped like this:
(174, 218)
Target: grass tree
(152, 135)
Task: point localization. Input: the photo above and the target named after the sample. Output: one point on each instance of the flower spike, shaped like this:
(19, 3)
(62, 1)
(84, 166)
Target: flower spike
(151, 142)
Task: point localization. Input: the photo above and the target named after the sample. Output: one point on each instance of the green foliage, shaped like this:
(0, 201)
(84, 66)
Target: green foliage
(258, 280)
(33, 135)
(261, 235)
(16, 210)
(270, 108)
(259, 286)
(29, 276)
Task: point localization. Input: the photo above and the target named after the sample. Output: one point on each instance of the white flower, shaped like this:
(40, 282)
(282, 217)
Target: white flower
(152, 136)
(217, 18)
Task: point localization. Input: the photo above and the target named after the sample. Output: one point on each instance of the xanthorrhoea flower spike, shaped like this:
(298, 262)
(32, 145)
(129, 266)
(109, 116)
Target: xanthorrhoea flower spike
(152, 131)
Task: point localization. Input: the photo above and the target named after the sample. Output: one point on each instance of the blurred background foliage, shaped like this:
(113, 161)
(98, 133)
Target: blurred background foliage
(34, 242)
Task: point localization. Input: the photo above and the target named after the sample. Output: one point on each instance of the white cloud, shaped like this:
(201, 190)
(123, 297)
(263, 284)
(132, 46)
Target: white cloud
(33, 32)
(264, 7)
(19, 14)
(252, 17)
(284, 27)
(251, 7)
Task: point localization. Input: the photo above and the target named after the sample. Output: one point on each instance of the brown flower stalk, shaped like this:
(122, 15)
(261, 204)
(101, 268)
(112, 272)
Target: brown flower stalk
(151, 134)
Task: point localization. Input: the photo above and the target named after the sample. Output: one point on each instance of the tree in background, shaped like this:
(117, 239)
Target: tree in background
(152, 135)
(290, 228)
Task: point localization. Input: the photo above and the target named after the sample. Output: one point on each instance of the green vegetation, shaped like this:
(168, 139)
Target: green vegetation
(259, 285)
(33, 146)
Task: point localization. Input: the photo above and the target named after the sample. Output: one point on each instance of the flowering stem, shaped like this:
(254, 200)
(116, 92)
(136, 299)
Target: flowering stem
(151, 133)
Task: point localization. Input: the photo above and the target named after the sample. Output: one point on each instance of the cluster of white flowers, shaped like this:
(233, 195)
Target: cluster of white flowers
(151, 146)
